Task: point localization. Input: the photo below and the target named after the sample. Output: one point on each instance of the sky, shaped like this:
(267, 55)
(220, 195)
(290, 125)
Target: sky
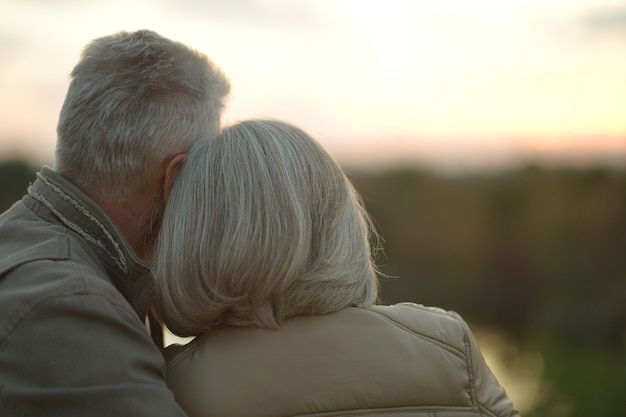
(450, 84)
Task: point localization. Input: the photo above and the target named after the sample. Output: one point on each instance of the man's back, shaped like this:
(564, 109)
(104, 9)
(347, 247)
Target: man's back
(71, 338)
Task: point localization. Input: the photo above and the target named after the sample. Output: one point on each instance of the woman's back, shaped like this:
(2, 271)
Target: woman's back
(403, 360)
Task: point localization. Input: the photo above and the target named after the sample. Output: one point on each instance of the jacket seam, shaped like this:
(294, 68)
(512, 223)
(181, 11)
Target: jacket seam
(13, 266)
(34, 307)
(470, 368)
(434, 410)
(452, 349)
(120, 260)
(485, 410)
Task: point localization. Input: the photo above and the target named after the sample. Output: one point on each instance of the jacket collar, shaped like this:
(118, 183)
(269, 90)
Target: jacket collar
(83, 216)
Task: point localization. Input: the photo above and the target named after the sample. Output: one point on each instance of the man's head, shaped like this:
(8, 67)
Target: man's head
(135, 101)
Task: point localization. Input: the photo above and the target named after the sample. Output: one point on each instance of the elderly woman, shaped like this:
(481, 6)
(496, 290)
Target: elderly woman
(264, 256)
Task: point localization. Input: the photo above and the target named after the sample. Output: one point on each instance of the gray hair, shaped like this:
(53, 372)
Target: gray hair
(261, 225)
(135, 99)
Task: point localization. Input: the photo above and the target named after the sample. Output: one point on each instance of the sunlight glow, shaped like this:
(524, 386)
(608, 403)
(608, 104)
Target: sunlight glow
(403, 79)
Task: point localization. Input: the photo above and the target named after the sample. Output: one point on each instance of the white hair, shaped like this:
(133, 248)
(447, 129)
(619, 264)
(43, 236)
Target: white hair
(261, 224)
(135, 100)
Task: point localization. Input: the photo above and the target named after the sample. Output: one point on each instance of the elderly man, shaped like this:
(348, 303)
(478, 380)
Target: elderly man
(75, 283)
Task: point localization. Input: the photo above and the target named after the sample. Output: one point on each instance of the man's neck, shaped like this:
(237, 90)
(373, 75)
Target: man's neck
(139, 220)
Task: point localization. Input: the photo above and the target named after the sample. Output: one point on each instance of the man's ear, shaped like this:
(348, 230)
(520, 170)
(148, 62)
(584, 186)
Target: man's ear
(171, 170)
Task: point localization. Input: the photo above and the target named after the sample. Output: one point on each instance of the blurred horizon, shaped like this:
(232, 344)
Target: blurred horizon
(452, 85)
(436, 160)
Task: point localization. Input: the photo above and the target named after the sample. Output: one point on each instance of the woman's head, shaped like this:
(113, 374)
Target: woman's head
(261, 225)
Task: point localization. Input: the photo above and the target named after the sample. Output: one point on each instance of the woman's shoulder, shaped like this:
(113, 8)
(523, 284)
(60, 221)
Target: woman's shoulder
(329, 362)
(432, 323)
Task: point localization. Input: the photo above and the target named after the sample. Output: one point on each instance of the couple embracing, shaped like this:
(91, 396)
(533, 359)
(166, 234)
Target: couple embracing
(248, 237)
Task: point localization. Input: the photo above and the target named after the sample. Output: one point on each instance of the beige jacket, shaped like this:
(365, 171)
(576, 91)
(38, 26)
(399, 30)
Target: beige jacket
(402, 360)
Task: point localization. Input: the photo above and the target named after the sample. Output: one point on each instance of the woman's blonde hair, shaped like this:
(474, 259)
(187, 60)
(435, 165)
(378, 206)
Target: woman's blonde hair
(261, 225)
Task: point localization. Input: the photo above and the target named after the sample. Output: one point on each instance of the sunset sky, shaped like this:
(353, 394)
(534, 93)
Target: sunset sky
(447, 83)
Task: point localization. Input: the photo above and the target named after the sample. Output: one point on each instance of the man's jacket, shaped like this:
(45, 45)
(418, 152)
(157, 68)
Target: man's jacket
(73, 302)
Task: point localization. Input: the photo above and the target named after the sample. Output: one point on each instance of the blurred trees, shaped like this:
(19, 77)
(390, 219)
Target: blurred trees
(538, 254)
(15, 176)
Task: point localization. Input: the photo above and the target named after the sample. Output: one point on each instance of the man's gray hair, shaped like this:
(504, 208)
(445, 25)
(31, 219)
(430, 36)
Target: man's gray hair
(261, 225)
(135, 99)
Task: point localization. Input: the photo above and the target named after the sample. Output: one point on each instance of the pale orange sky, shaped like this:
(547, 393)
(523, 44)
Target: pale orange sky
(447, 83)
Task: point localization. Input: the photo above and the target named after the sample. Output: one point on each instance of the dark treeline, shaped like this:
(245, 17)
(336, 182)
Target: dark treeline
(538, 254)
(15, 176)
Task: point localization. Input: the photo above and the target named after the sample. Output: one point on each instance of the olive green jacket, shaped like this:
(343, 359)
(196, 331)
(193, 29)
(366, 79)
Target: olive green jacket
(73, 302)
